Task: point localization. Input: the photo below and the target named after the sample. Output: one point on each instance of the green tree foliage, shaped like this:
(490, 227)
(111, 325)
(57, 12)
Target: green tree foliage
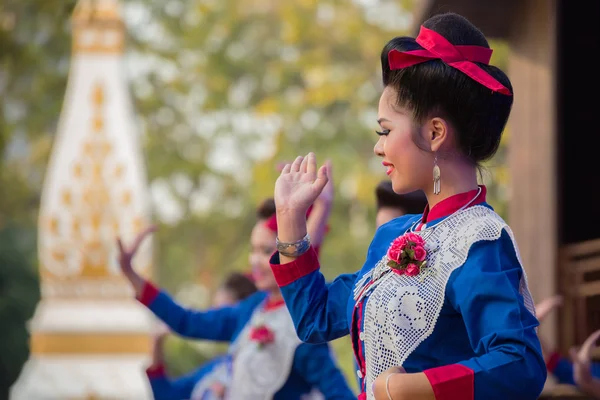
(19, 293)
(34, 58)
(34, 55)
(224, 90)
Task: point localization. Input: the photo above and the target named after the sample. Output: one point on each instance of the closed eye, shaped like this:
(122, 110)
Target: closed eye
(384, 132)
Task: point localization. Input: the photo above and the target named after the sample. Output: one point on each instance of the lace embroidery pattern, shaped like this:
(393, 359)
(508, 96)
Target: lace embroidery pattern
(402, 311)
(260, 373)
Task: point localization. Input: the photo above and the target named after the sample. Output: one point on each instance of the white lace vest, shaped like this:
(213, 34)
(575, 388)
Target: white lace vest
(258, 373)
(401, 311)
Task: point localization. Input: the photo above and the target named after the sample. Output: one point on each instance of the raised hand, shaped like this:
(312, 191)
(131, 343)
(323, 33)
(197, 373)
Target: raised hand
(126, 255)
(299, 184)
(582, 366)
(543, 308)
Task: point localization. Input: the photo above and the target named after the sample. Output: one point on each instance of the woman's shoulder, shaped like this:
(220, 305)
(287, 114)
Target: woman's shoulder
(475, 219)
(252, 301)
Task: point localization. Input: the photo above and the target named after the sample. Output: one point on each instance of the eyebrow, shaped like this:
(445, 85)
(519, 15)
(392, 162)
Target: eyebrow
(380, 120)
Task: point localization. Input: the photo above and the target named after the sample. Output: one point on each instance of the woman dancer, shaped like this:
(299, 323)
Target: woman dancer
(269, 361)
(441, 308)
(211, 379)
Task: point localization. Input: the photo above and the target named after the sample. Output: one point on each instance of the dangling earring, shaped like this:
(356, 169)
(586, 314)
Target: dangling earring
(436, 177)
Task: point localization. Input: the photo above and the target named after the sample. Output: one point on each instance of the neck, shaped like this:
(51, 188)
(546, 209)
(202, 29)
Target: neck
(457, 176)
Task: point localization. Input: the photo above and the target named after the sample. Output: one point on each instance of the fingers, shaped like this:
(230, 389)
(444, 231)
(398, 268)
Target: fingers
(329, 170)
(306, 164)
(311, 163)
(281, 165)
(140, 238)
(585, 353)
(120, 246)
(546, 306)
(286, 169)
(296, 164)
(305, 161)
(321, 180)
(573, 355)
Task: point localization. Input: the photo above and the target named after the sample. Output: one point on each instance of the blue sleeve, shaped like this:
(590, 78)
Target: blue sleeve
(596, 370)
(563, 372)
(318, 309)
(216, 324)
(485, 291)
(314, 362)
(181, 388)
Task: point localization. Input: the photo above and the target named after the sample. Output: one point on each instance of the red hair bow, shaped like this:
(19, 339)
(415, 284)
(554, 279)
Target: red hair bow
(463, 58)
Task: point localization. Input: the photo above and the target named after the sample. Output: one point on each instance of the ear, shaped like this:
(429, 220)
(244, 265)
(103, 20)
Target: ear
(437, 130)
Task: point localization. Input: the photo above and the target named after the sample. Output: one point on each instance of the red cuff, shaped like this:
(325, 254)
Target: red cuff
(300, 267)
(156, 371)
(452, 382)
(552, 362)
(317, 250)
(148, 294)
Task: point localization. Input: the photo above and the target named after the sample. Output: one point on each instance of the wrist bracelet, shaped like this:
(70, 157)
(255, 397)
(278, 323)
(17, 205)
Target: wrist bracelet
(293, 249)
(387, 387)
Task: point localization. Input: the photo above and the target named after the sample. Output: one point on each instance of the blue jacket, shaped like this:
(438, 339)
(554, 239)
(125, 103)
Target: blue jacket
(484, 343)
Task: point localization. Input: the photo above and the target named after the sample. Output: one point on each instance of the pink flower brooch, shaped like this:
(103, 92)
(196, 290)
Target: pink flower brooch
(262, 335)
(407, 255)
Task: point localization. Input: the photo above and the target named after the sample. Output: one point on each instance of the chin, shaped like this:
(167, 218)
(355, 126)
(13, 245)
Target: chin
(264, 285)
(402, 187)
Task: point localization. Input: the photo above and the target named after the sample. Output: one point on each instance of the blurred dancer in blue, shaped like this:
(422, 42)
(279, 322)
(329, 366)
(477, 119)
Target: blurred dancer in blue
(269, 360)
(211, 379)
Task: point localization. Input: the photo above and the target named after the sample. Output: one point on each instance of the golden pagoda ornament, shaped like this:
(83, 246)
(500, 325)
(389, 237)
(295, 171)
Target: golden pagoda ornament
(89, 337)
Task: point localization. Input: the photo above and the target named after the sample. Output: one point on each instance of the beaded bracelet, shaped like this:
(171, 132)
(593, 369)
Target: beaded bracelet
(293, 249)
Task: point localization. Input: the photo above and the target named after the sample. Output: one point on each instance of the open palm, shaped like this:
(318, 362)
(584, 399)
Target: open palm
(300, 184)
(581, 365)
(543, 308)
(126, 254)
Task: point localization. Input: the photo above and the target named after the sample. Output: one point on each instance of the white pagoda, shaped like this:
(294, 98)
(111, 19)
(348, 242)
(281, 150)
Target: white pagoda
(89, 337)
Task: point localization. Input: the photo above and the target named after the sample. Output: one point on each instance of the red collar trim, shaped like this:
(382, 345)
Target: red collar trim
(453, 204)
(271, 304)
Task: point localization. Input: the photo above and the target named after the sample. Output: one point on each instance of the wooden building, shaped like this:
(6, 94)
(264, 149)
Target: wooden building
(554, 147)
